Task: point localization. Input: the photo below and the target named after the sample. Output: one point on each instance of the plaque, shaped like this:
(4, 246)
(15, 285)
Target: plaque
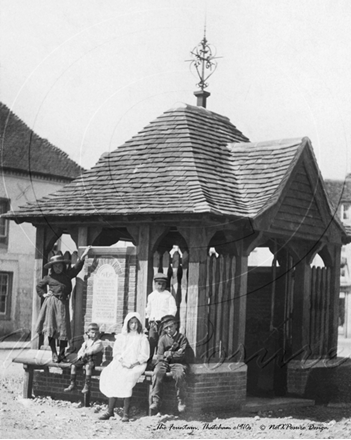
(105, 289)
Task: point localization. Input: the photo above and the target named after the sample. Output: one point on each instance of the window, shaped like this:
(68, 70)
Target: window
(4, 224)
(346, 211)
(5, 294)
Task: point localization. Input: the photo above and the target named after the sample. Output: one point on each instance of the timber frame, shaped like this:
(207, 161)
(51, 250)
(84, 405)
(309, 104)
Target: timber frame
(219, 192)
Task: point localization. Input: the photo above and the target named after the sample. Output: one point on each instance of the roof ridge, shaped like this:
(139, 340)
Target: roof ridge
(198, 183)
(234, 134)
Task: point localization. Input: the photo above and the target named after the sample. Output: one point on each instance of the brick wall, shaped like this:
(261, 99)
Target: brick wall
(217, 390)
(322, 380)
(224, 387)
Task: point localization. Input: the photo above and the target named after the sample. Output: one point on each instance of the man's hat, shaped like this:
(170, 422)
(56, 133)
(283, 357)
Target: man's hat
(58, 258)
(161, 277)
(93, 326)
(166, 319)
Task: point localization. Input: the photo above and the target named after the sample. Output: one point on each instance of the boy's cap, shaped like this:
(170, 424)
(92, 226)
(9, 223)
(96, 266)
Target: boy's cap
(161, 277)
(93, 326)
(167, 319)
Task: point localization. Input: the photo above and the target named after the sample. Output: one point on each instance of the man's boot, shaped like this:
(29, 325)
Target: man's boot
(87, 384)
(72, 385)
(126, 406)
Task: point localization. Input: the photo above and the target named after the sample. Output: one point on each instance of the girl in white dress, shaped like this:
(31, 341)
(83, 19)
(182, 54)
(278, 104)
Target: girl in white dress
(131, 351)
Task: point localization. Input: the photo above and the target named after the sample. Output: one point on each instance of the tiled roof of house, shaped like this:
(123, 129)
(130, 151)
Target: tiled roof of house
(339, 191)
(22, 150)
(188, 160)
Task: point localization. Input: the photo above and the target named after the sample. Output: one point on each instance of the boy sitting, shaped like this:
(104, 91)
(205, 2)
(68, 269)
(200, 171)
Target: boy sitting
(171, 353)
(90, 354)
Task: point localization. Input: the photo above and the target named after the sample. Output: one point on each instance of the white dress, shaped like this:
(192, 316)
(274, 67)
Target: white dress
(119, 381)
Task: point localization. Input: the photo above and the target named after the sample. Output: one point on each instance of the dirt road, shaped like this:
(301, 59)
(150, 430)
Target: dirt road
(46, 418)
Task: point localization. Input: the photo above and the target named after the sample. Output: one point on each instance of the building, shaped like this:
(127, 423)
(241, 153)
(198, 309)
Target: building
(31, 168)
(340, 196)
(192, 181)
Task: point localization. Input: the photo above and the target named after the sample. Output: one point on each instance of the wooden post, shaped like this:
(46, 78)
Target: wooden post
(174, 277)
(38, 274)
(301, 309)
(211, 289)
(219, 305)
(184, 292)
(231, 295)
(193, 309)
(240, 296)
(156, 262)
(196, 319)
(313, 294)
(78, 324)
(347, 323)
(28, 381)
(143, 248)
(334, 302)
(324, 311)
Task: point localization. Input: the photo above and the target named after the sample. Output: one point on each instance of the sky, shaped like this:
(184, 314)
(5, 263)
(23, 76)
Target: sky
(89, 74)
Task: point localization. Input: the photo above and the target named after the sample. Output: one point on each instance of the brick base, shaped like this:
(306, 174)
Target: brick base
(322, 380)
(221, 387)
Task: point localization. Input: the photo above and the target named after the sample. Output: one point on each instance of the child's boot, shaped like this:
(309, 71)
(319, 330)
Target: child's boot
(62, 355)
(72, 384)
(87, 385)
(111, 409)
(52, 343)
(126, 406)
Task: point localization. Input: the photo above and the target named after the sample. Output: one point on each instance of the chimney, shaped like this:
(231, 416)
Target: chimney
(201, 96)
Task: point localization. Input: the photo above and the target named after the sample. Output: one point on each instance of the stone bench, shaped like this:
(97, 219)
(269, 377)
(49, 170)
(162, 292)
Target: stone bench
(41, 360)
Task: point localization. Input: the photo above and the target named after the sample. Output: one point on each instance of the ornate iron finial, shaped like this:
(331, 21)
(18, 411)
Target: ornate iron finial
(204, 56)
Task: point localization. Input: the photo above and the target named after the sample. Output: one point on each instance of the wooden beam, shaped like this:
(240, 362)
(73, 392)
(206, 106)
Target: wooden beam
(184, 291)
(240, 296)
(334, 301)
(38, 275)
(301, 309)
(78, 324)
(143, 252)
(196, 319)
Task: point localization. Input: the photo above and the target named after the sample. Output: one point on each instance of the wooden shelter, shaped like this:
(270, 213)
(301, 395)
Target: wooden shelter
(196, 198)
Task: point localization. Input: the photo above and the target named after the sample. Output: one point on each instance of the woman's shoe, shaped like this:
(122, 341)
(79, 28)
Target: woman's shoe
(106, 416)
(55, 358)
(125, 418)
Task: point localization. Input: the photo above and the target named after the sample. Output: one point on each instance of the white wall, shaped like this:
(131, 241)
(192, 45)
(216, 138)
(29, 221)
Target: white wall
(18, 257)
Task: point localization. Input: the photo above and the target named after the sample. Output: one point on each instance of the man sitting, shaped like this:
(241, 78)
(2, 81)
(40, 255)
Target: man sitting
(171, 350)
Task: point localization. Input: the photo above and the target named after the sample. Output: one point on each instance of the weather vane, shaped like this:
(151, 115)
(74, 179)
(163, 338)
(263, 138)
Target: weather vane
(204, 57)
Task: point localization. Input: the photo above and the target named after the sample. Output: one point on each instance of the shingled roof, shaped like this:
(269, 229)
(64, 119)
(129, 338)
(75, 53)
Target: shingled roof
(21, 150)
(339, 191)
(188, 160)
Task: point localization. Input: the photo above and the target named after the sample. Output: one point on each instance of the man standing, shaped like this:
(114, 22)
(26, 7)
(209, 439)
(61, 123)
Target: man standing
(171, 352)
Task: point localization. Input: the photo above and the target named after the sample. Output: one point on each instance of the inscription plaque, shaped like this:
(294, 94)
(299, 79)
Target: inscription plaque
(105, 290)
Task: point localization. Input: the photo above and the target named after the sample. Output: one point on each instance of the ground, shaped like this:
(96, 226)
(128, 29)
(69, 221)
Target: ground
(47, 418)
